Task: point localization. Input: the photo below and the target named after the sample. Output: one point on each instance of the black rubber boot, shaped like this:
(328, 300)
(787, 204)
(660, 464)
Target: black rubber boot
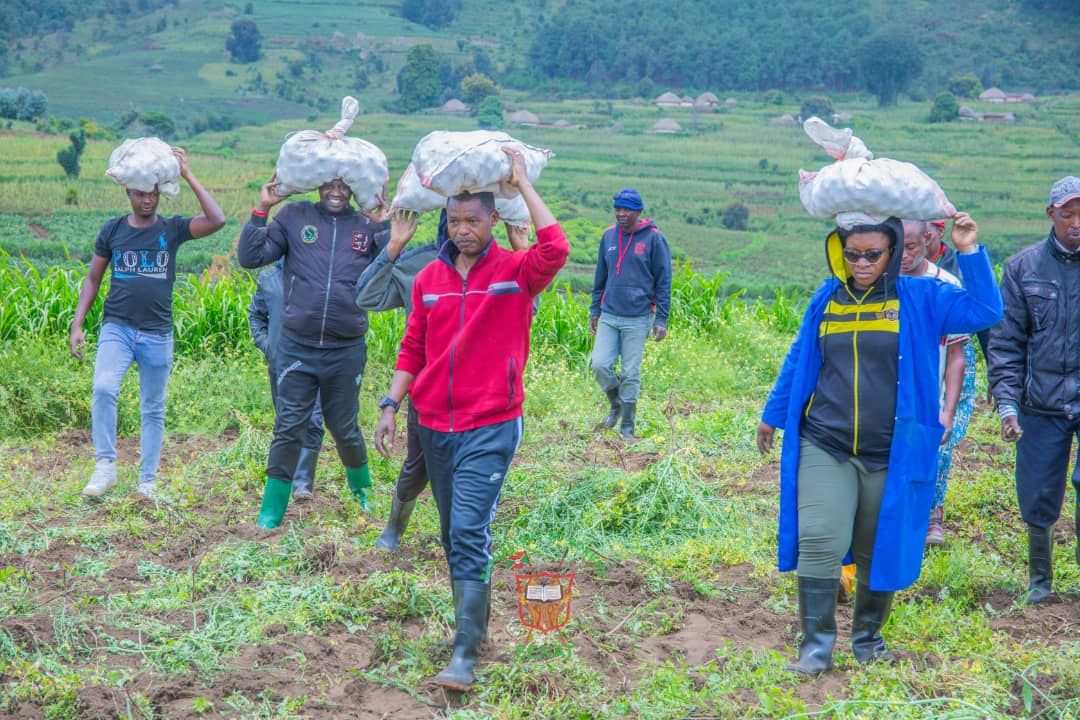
(303, 483)
(471, 603)
(817, 611)
(615, 411)
(395, 526)
(871, 611)
(626, 427)
(1040, 563)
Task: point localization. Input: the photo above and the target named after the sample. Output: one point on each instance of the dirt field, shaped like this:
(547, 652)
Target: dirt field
(329, 667)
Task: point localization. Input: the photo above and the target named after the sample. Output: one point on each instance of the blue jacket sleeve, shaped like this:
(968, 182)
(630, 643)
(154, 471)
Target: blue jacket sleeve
(776, 407)
(661, 272)
(599, 281)
(977, 305)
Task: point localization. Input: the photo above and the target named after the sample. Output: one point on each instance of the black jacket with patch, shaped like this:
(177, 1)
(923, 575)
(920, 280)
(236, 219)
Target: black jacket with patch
(324, 255)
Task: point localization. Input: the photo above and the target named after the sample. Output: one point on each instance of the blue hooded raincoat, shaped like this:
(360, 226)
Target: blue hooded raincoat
(929, 309)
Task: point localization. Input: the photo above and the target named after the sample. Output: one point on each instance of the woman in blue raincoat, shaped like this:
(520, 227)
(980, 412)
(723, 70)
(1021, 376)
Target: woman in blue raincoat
(860, 440)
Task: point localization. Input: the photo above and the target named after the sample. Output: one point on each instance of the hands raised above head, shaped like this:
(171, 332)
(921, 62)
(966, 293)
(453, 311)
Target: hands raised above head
(181, 157)
(269, 194)
(965, 233)
(381, 212)
(518, 176)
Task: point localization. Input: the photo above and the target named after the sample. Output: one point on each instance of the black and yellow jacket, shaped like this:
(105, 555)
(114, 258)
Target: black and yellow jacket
(852, 409)
(928, 310)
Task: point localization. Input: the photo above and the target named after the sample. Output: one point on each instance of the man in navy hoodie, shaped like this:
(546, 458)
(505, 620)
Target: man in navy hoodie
(631, 295)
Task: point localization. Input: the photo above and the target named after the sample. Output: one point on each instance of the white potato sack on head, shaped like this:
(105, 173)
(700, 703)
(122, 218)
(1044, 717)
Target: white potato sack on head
(145, 163)
(310, 159)
(452, 162)
(514, 211)
(859, 183)
(412, 195)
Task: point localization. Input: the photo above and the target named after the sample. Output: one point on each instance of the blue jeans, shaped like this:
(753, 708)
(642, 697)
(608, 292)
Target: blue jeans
(118, 347)
(620, 337)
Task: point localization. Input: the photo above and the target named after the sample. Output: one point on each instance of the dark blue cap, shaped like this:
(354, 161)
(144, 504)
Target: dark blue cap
(629, 198)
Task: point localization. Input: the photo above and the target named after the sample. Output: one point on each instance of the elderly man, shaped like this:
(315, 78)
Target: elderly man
(326, 245)
(140, 248)
(631, 295)
(465, 382)
(1034, 369)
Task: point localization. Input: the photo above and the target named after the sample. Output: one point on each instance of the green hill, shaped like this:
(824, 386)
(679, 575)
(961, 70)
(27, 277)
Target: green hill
(101, 58)
(999, 172)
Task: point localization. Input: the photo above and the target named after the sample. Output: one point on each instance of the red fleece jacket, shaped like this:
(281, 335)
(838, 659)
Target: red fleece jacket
(467, 341)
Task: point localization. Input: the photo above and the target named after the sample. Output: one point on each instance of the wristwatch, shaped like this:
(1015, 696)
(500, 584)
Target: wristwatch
(388, 401)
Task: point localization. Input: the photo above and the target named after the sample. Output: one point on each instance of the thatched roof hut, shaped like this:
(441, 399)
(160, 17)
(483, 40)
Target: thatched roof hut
(524, 117)
(668, 99)
(454, 105)
(666, 125)
(785, 120)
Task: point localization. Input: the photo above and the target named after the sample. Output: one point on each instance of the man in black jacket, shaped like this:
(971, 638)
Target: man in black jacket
(264, 321)
(1034, 369)
(326, 245)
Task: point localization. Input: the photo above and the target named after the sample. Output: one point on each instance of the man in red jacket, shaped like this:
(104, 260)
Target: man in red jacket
(462, 361)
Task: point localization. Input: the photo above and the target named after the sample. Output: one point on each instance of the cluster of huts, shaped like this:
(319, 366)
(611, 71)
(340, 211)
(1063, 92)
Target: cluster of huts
(998, 97)
(709, 102)
(518, 117)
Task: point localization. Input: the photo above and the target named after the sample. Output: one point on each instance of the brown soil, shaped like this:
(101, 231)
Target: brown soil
(621, 626)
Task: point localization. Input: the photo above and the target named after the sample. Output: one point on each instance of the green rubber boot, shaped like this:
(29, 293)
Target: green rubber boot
(275, 501)
(359, 480)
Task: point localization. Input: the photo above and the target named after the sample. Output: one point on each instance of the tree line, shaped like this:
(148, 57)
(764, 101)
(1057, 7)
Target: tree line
(722, 44)
(642, 47)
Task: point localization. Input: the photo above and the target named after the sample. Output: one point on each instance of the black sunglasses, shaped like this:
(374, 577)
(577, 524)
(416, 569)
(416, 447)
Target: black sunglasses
(871, 256)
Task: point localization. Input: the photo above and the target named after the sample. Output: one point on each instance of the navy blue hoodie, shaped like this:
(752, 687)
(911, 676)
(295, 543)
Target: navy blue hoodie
(633, 273)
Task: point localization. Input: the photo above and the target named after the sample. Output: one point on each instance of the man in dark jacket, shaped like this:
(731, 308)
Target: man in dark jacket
(1034, 367)
(386, 284)
(264, 321)
(631, 294)
(326, 245)
(466, 381)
